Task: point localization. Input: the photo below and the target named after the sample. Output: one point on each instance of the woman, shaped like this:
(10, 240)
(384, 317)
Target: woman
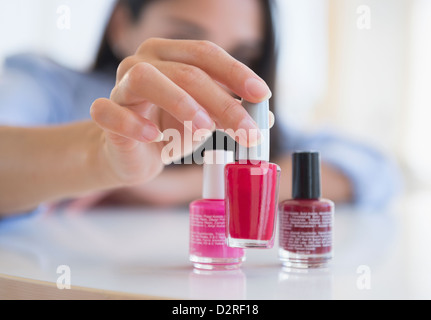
(153, 73)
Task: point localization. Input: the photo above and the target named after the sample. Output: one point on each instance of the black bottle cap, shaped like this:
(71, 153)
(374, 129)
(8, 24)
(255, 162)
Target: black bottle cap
(306, 175)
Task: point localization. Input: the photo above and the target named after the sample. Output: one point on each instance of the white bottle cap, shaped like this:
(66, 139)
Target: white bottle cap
(213, 173)
(260, 114)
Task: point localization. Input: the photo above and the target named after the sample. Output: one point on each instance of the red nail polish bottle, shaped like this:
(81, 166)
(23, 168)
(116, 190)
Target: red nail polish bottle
(252, 189)
(306, 221)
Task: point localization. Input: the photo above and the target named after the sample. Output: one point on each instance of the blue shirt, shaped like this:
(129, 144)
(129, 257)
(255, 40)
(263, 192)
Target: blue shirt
(35, 91)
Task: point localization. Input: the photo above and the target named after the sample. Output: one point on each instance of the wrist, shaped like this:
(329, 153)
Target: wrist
(98, 161)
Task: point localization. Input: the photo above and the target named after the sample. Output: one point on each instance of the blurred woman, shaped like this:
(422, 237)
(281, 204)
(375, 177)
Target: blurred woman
(65, 134)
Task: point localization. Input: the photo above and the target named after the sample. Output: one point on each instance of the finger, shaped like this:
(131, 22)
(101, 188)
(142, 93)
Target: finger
(216, 62)
(124, 122)
(143, 82)
(227, 111)
(271, 119)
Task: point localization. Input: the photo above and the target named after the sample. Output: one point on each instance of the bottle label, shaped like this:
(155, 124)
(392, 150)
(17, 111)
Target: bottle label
(208, 236)
(208, 230)
(306, 232)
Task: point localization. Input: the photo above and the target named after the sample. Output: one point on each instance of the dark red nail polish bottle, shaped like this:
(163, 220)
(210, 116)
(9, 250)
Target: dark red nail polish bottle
(306, 221)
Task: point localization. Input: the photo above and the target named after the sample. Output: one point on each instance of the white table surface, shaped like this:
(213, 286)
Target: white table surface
(145, 251)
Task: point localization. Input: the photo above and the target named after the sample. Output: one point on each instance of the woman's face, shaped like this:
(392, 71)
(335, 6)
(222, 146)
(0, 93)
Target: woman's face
(237, 26)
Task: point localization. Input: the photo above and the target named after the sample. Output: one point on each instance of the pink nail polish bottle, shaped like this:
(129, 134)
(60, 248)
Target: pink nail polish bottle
(306, 221)
(208, 248)
(252, 189)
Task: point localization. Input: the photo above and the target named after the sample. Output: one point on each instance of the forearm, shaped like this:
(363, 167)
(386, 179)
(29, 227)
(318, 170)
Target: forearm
(48, 164)
(173, 187)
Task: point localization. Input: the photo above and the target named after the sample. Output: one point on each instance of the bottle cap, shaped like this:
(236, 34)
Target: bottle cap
(306, 175)
(213, 173)
(260, 114)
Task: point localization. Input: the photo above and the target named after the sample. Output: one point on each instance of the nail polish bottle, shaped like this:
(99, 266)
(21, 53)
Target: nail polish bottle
(252, 189)
(208, 248)
(306, 221)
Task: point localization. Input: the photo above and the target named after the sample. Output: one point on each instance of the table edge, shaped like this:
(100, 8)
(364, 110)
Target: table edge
(20, 288)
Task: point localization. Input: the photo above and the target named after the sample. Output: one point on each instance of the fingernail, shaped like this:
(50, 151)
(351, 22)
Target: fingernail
(152, 134)
(271, 119)
(249, 133)
(203, 121)
(258, 89)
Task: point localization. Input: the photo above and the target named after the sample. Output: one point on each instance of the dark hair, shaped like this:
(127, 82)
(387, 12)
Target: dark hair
(265, 67)
(106, 60)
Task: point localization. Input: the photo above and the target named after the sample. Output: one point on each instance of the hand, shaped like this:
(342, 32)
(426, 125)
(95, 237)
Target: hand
(166, 83)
